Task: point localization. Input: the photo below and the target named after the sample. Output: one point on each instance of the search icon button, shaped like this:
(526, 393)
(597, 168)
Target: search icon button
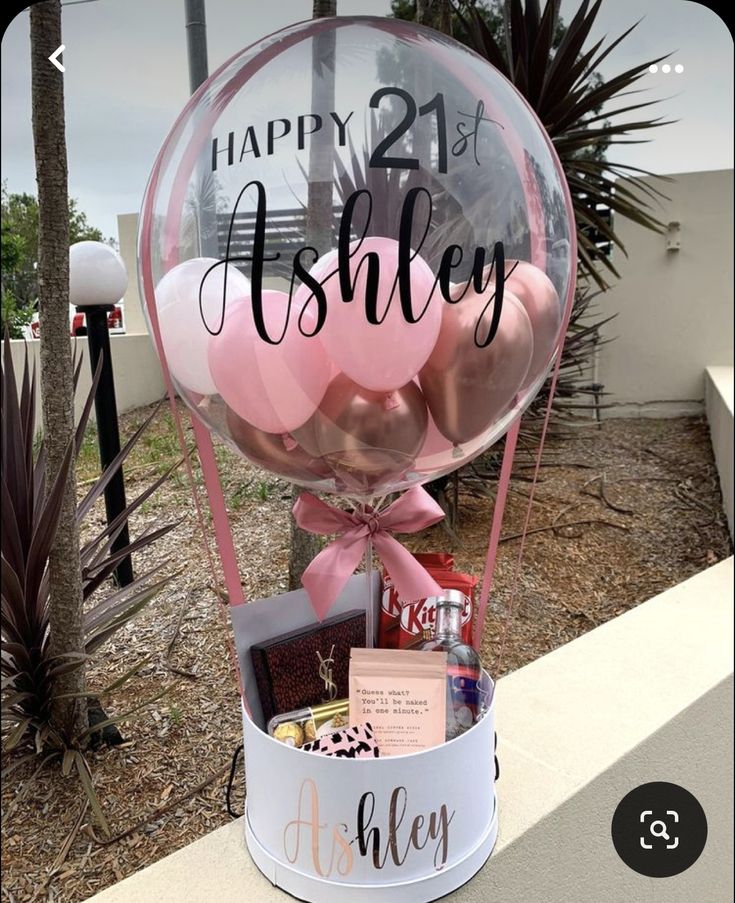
(659, 829)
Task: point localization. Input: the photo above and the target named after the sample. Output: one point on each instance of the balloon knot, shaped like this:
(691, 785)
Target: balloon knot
(371, 521)
(390, 401)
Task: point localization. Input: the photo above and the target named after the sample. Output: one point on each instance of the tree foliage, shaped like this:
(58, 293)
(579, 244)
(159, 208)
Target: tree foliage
(562, 86)
(19, 219)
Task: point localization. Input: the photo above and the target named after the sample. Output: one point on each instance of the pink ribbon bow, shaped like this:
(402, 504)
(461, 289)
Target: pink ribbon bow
(327, 574)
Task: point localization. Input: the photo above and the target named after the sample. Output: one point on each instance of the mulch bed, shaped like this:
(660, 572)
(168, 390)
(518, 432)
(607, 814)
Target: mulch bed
(642, 503)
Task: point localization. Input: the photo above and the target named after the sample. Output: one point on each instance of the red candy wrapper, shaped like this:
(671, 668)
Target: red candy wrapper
(403, 623)
(418, 618)
(390, 605)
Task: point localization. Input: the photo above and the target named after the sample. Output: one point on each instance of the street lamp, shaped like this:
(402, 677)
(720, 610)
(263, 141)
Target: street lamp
(97, 281)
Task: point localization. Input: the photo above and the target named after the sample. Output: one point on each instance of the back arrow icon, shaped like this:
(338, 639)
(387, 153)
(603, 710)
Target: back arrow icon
(54, 58)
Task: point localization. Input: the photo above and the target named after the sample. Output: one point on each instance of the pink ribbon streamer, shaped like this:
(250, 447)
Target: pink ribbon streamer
(223, 532)
(506, 468)
(328, 573)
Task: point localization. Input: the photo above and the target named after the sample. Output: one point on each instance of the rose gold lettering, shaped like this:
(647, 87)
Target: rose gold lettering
(311, 823)
(369, 838)
(345, 859)
(365, 836)
(394, 823)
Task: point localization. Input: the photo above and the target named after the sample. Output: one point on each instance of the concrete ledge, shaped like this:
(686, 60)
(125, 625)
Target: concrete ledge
(658, 410)
(647, 696)
(718, 382)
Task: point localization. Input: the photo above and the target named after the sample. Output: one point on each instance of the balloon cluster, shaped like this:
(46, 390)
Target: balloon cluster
(405, 336)
(363, 407)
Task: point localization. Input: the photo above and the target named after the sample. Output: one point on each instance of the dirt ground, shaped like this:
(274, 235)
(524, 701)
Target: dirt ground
(642, 503)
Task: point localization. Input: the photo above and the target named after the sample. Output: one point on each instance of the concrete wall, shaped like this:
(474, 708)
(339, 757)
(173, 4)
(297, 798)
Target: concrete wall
(675, 308)
(127, 231)
(138, 377)
(719, 393)
(645, 697)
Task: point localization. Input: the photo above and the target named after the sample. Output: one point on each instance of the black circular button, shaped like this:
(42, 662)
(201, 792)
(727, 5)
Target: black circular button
(659, 829)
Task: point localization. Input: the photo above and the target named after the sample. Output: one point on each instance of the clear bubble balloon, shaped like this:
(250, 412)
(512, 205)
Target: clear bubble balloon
(357, 247)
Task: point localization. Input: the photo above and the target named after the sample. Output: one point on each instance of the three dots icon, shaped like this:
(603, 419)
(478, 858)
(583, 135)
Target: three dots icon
(666, 68)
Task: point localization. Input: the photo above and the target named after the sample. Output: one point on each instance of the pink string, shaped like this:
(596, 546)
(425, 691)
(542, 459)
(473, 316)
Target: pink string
(524, 533)
(509, 454)
(222, 530)
(149, 295)
(511, 439)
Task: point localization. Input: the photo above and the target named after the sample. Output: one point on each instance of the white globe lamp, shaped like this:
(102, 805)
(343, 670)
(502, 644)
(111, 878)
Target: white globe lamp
(97, 275)
(97, 281)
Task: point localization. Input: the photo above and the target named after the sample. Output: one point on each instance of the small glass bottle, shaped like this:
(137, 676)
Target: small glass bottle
(464, 668)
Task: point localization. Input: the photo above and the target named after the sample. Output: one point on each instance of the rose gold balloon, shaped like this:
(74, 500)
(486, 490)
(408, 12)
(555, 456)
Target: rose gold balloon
(369, 438)
(468, 388)
(436, 450)
(535, 291)
(278, 453)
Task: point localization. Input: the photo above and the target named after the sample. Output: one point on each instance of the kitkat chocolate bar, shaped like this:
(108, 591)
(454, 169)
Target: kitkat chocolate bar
(402, 622)
(418, 618)
(391, 604)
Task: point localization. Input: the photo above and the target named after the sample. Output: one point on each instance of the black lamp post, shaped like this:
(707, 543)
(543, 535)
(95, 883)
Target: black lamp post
(97, 280)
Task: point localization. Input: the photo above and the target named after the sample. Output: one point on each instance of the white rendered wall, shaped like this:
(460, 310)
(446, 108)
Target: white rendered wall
(138, 377)
(675, 308)
(127, 233)
(719, 401)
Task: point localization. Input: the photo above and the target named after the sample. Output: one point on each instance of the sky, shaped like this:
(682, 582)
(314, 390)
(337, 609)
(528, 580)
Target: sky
(126, 81)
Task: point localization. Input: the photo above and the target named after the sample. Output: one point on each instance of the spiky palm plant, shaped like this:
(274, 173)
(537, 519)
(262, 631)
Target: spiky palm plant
(30, 517)
(562, 86)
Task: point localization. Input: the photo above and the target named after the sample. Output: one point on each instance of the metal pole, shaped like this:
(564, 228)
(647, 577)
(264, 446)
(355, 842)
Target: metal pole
(196, 43)
(108, 435)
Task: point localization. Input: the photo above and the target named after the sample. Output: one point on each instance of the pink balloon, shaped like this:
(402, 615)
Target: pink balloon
(536, 292)
(183, 332)
(468, 388)
(435, 451)
(275, 388)
(386, 356)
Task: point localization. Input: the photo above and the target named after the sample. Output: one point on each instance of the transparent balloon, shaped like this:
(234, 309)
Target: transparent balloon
(356, 250)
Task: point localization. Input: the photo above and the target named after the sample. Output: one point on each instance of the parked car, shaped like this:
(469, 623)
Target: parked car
(77, 325)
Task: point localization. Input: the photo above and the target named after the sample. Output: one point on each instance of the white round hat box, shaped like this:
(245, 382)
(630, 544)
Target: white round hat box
(402, 828)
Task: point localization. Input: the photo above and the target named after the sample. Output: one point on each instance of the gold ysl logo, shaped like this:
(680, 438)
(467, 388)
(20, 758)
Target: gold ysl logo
(325, 673)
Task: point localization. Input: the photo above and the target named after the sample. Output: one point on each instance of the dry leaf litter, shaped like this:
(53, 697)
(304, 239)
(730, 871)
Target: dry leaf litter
(643, 503)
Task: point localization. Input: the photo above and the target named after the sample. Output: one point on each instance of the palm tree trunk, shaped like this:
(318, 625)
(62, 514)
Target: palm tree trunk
(324, 8)
(436, 14)
(304, 546)
(57, 393)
